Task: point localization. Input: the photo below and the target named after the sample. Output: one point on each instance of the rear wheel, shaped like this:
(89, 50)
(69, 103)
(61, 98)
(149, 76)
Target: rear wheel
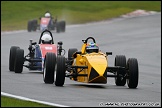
(59, 76)
(71, 51)
(58, 27)
(29, 26)
(19, 60)
(120, 80)
(49, 68)
(34, 25)
(12, 57)
(62, 25)
(132, 65)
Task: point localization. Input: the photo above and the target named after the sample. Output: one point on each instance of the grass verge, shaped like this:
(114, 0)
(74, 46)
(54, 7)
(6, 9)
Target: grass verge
(12, 102)
(15, 14)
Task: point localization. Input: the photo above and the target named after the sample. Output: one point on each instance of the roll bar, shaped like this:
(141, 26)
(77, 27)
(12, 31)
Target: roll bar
(42, 35)
(85, 41)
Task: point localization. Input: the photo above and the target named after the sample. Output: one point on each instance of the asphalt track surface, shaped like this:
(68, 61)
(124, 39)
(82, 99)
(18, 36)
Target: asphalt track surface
(137, 37)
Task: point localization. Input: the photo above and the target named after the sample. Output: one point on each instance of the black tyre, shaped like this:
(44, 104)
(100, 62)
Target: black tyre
(29, 26)
(58, 27)
(51, 25)
(19, 60)
(120, 80)
(59, 76)
(132, 80)
(34, 25)
(71, 51)
(49, 68)
(62, 25)
(12, 57)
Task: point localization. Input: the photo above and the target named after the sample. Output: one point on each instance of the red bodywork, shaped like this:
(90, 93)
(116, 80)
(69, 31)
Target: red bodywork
(48, 48)
(45, 21)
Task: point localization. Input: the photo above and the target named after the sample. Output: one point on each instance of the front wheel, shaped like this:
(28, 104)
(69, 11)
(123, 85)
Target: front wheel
(12, 57)
(132, 72)
(60, 71)
(49, 68)
(19, 60)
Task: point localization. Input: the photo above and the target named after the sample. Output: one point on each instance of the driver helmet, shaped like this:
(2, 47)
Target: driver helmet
(92, 47)
(46, 39)
(47, 15)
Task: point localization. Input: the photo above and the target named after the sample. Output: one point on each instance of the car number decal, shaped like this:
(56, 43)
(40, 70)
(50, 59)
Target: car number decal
(48, 48)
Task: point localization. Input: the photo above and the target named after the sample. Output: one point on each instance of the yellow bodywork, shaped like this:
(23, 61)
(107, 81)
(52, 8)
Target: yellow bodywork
(97, 65)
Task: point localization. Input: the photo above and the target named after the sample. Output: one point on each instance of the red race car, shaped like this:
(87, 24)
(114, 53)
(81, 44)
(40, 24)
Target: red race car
(36, 55)
(46, 22)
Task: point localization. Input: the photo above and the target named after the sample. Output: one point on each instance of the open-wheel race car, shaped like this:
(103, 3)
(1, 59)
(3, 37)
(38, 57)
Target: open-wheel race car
(46, 22)
(90, 65)
(37, 52)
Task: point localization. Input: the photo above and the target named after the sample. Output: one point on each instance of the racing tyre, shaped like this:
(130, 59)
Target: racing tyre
(12, 57)
(120, 80)
(51, 25)
(59, 76)
(62, 25)
(19, 60)
(29, 26)
(58, 27)
(49, 68)
(132, 80)
(71, 51)
(34, 25)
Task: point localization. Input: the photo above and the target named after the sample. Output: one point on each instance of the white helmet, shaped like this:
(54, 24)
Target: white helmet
(46, 39)
(47, 15)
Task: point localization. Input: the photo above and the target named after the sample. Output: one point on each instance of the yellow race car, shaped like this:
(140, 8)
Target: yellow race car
(90, 65)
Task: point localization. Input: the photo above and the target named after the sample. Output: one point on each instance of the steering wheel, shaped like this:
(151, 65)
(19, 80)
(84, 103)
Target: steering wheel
(42, 35)
(85, 41)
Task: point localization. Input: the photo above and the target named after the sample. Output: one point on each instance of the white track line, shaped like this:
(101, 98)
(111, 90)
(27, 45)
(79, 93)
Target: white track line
(33, 100)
